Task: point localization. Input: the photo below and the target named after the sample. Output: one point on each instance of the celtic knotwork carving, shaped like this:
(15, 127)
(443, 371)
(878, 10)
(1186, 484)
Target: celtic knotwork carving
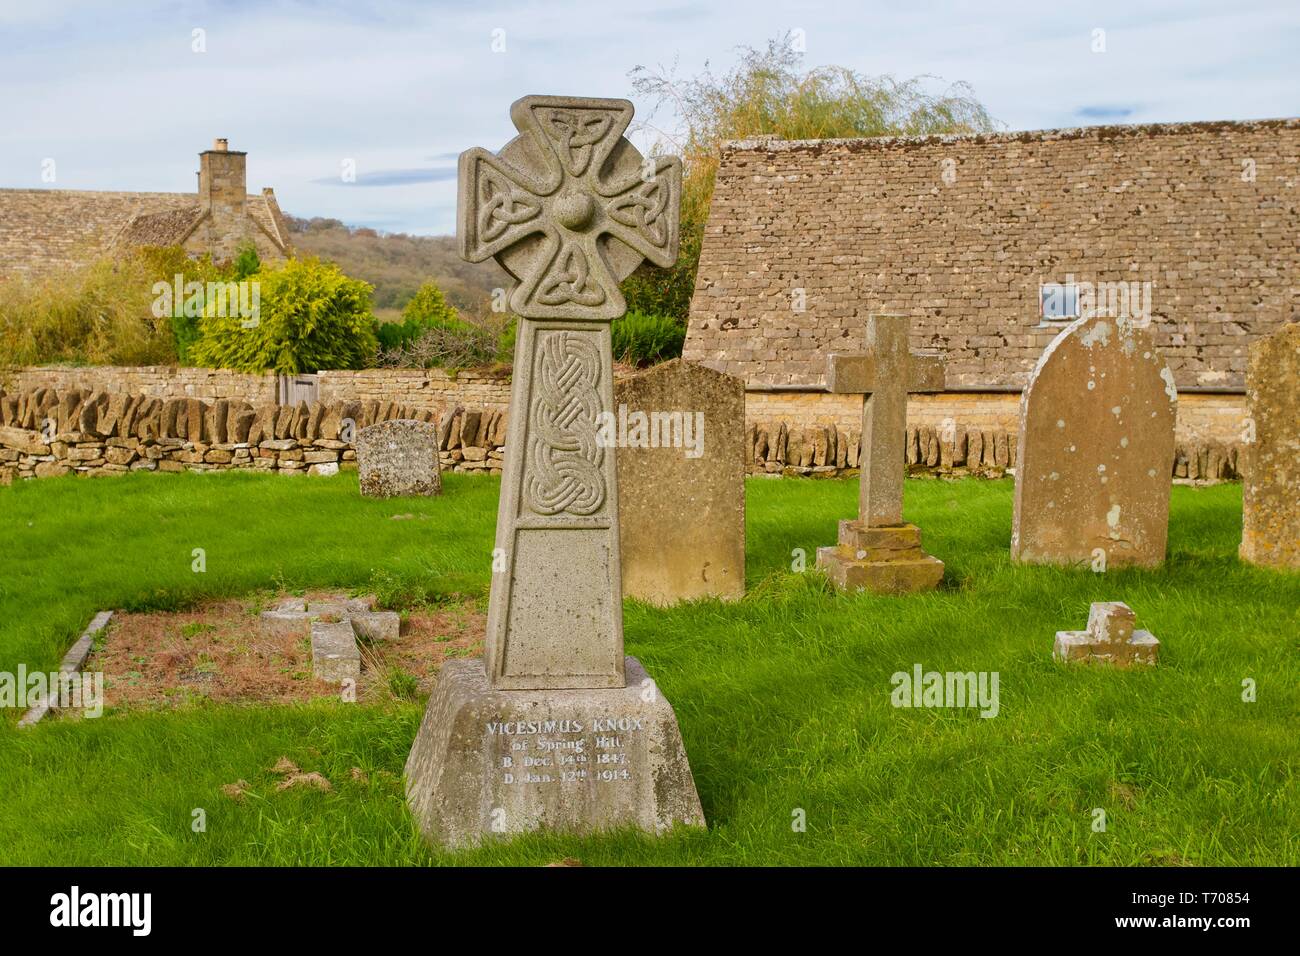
(567, 280)
(642, 210)
(501, 206)
(567, 459)
(575, 133)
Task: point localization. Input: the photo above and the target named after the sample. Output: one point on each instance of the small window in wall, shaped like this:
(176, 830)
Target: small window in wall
(1058, 302)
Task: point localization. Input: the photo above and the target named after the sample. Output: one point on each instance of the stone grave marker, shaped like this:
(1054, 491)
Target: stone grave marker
(680, 433)
(555, 729)
(333, 626)
(1270, 497)
(1096, 450)
(1110, 638)
(398, 457)
(878, 551)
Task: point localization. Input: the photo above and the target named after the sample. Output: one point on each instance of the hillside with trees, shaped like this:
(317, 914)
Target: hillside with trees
(397, 264)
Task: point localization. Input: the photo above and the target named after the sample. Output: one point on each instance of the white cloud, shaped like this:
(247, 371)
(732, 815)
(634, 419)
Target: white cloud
(116, 96)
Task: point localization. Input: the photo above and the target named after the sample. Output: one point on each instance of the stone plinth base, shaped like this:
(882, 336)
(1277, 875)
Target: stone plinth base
(885, 560)
(497, 762)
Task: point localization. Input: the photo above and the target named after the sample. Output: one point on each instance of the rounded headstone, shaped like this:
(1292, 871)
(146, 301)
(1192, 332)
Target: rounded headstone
(398, 457)
(1096, 449)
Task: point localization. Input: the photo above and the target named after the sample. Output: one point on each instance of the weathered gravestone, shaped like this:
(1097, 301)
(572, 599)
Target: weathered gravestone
(556, 729)
(1270, 498)
(1096, 449)
(879, 551)
(680, 433)
(398, 457)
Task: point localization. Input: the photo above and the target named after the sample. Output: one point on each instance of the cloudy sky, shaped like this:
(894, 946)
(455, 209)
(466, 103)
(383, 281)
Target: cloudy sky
(119, 94)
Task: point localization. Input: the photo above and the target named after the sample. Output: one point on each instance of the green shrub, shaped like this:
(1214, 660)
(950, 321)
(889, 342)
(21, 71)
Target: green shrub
(506, 350)
(166, 264)
(100, 313)
(311, 317)
(427, 309)
(641, 339)
(469, 343)
(247, 263)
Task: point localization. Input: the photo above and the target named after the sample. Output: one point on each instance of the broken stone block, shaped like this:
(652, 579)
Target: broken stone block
(335, 656)
(377, 625)
(290, 622)
(1110, 637)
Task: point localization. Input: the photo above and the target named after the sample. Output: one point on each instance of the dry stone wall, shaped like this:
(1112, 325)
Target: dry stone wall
(155, 381)
(419, 387)
(46, 433)
(829, 450)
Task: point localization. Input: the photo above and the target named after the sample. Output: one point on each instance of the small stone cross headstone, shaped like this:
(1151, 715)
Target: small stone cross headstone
(555, 728)
(333, 626)
(879, 552)
(1110, 638)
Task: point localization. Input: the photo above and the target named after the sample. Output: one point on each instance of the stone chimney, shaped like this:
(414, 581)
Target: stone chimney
(223, 194)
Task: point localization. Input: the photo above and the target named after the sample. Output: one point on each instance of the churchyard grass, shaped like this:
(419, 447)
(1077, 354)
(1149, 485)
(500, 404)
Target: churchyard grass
(784, 698)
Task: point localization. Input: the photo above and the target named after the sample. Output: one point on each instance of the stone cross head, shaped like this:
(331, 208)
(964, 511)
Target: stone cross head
(569, 207)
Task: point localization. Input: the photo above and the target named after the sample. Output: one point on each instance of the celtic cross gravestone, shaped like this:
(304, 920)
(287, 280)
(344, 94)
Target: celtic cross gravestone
(555, 728)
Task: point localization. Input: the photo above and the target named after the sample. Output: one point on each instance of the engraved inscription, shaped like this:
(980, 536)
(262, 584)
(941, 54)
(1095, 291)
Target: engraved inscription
(558, 752)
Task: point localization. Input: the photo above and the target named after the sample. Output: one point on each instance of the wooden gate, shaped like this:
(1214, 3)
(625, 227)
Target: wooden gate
(292, 389)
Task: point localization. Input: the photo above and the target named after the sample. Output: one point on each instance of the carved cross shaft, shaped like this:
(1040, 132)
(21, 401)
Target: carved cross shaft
(569, 208)
(884, 375)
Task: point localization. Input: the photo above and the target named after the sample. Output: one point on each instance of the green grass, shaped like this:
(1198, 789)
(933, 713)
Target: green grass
(783, 698)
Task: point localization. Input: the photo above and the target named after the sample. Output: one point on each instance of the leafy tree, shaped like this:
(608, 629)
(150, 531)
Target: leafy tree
(768, 93)
(311, 317)
(168, 262)
(427, 309)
